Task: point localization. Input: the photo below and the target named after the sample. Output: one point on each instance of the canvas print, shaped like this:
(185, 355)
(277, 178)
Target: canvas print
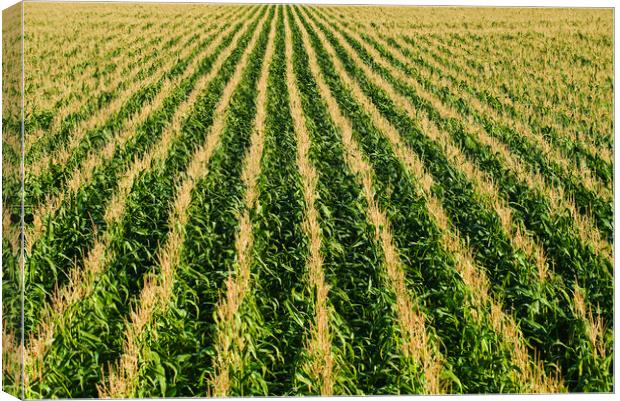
(269, 200)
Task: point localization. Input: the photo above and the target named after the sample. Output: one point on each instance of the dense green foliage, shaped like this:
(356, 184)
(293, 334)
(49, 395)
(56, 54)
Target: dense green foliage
(408, 292)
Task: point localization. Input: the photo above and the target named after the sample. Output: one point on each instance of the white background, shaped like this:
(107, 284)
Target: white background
(518, 3)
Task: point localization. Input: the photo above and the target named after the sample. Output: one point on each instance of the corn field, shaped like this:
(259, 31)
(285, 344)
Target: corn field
(239, 200)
